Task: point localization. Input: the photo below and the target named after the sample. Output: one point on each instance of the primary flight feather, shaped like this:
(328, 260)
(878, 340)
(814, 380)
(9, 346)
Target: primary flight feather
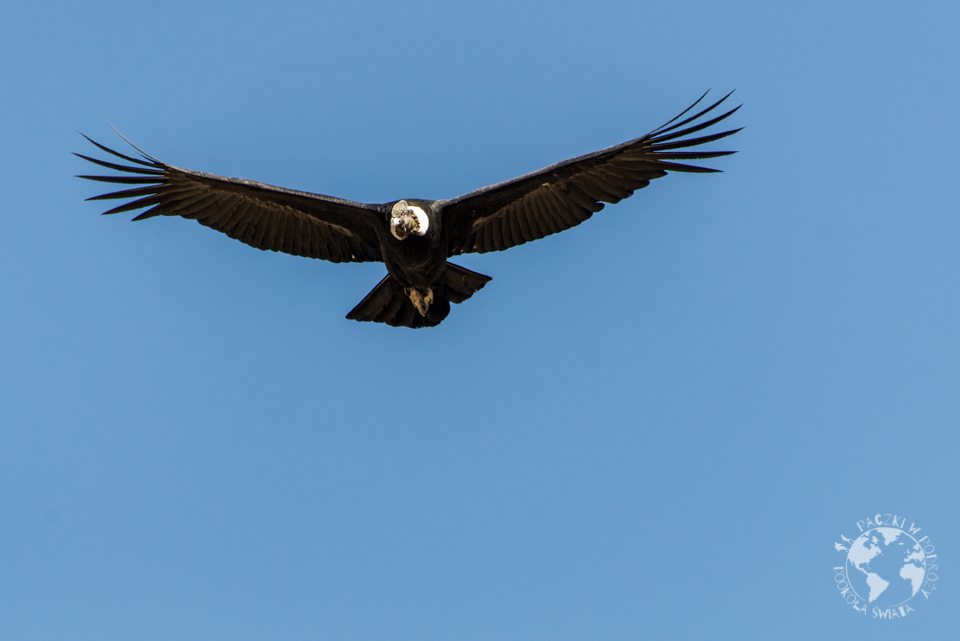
(413, 237)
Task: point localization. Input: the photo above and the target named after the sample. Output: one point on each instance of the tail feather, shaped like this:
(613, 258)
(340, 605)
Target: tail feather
(462, 283)
(373, 303)
(389, 303)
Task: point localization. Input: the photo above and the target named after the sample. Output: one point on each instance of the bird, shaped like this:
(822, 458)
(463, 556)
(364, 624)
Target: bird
(414, 238)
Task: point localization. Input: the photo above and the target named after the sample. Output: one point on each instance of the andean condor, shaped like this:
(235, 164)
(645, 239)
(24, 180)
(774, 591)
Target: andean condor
(413, 237)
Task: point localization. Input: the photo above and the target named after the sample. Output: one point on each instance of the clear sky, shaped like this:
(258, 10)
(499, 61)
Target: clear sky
(653, 426)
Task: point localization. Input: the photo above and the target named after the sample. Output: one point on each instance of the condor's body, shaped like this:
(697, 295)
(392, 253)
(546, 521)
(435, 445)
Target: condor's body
(416, 260)
(420, 283)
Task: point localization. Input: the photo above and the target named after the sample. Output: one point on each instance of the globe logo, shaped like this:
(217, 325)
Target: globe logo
(886, 566)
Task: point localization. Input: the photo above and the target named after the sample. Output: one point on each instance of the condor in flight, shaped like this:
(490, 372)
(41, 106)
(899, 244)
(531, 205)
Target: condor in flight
(413, 237)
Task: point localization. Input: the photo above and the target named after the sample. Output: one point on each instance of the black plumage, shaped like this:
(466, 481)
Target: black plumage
(414, 238)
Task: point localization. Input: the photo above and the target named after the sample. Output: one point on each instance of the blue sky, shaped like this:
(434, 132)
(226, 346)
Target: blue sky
(655, 425)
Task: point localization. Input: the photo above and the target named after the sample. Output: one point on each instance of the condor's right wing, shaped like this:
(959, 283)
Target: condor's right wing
(260, 215)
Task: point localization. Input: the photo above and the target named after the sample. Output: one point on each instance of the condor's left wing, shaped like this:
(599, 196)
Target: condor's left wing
(566, 194)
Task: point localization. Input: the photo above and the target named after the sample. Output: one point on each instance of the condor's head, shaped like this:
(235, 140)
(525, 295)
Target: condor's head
(406, 220)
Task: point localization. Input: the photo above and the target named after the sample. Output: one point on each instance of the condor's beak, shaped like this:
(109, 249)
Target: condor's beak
(405, 224)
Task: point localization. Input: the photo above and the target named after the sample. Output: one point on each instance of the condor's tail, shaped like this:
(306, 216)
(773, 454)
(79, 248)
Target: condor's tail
(391, 303)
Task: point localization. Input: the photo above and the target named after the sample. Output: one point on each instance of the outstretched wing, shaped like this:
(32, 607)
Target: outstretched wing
(563, 195)
(262, 216)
